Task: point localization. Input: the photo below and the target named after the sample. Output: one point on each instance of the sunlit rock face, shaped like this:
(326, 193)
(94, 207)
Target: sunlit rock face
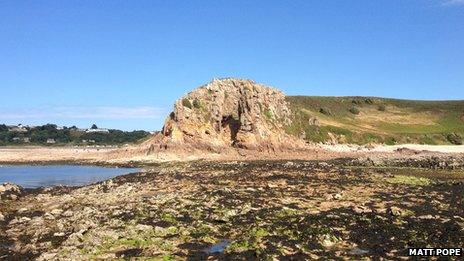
(230, 112)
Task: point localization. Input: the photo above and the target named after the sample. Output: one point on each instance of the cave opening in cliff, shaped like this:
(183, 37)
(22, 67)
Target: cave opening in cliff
(233, 125)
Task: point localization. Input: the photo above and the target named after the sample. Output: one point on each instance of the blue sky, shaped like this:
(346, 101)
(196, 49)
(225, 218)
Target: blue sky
(122, 64)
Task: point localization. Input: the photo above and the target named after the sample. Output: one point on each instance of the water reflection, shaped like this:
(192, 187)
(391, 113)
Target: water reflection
(53, 175)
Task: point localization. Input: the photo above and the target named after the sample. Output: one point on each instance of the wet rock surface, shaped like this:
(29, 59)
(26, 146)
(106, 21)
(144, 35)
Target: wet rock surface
(10, 191)
(427, 162)
(239, 210)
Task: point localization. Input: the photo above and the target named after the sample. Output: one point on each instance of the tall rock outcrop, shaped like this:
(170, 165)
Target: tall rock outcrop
(229, 112)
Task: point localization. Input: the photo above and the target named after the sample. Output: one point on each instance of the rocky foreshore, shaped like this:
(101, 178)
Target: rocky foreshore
(342, 208)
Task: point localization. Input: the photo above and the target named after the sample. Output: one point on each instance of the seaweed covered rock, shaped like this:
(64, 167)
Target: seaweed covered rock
(10, 191)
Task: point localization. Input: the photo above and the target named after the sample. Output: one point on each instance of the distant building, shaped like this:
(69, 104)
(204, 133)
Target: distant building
(19, 128)
(51, 141)
(98, 130)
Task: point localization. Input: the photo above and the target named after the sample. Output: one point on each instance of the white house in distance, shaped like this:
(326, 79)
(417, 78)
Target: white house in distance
(98, 130)
(18, 128)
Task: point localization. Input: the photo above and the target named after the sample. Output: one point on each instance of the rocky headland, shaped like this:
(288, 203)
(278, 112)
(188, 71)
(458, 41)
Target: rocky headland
(229, 113)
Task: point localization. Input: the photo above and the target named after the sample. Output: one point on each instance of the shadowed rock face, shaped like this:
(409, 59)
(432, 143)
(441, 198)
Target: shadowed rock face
(230, 112)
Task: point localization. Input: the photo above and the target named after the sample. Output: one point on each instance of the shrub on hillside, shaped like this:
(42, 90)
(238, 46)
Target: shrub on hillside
(390, 141)
(369, 101)
(268, 114)
(196, 104)
(325, 111)
(186, 103)
(360, 101)
(454, 138)
(354, 110)
(382, 107)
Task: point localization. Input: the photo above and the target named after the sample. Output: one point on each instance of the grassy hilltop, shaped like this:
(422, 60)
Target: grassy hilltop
(363, 120)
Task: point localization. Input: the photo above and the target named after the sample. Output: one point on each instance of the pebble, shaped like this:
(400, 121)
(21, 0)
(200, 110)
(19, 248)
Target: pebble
(361, 209)
(445, 220)
(289, 164)
(22, 210)
(24, 219)
(425, 217)
(328, 241)
(395, 211)
(336, 196)
(49, 216)
(332, 216)
(159, 229)
(142, 227)
(47, 256)
(56, 211)
(68, 213)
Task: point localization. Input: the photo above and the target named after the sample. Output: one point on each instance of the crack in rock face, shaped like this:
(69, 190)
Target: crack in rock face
(230, 112)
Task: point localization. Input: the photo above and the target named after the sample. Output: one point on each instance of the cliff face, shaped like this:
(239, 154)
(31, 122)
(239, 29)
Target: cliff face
(229, 112)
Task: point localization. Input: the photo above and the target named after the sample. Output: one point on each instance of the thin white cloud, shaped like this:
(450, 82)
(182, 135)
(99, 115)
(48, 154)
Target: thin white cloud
(77, 112)
(453, 2)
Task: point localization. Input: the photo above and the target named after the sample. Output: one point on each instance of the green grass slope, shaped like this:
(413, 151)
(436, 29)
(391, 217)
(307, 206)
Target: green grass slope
(363, 120)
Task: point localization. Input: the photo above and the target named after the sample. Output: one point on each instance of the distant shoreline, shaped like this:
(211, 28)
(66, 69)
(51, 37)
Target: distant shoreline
(134, 156)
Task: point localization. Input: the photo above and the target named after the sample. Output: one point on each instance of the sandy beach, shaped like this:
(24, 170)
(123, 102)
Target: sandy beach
(51, 154)
(132, 155)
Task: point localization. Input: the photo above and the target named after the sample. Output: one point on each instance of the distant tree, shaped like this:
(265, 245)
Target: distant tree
(41, 134)
(94, 127)
(48, 127)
